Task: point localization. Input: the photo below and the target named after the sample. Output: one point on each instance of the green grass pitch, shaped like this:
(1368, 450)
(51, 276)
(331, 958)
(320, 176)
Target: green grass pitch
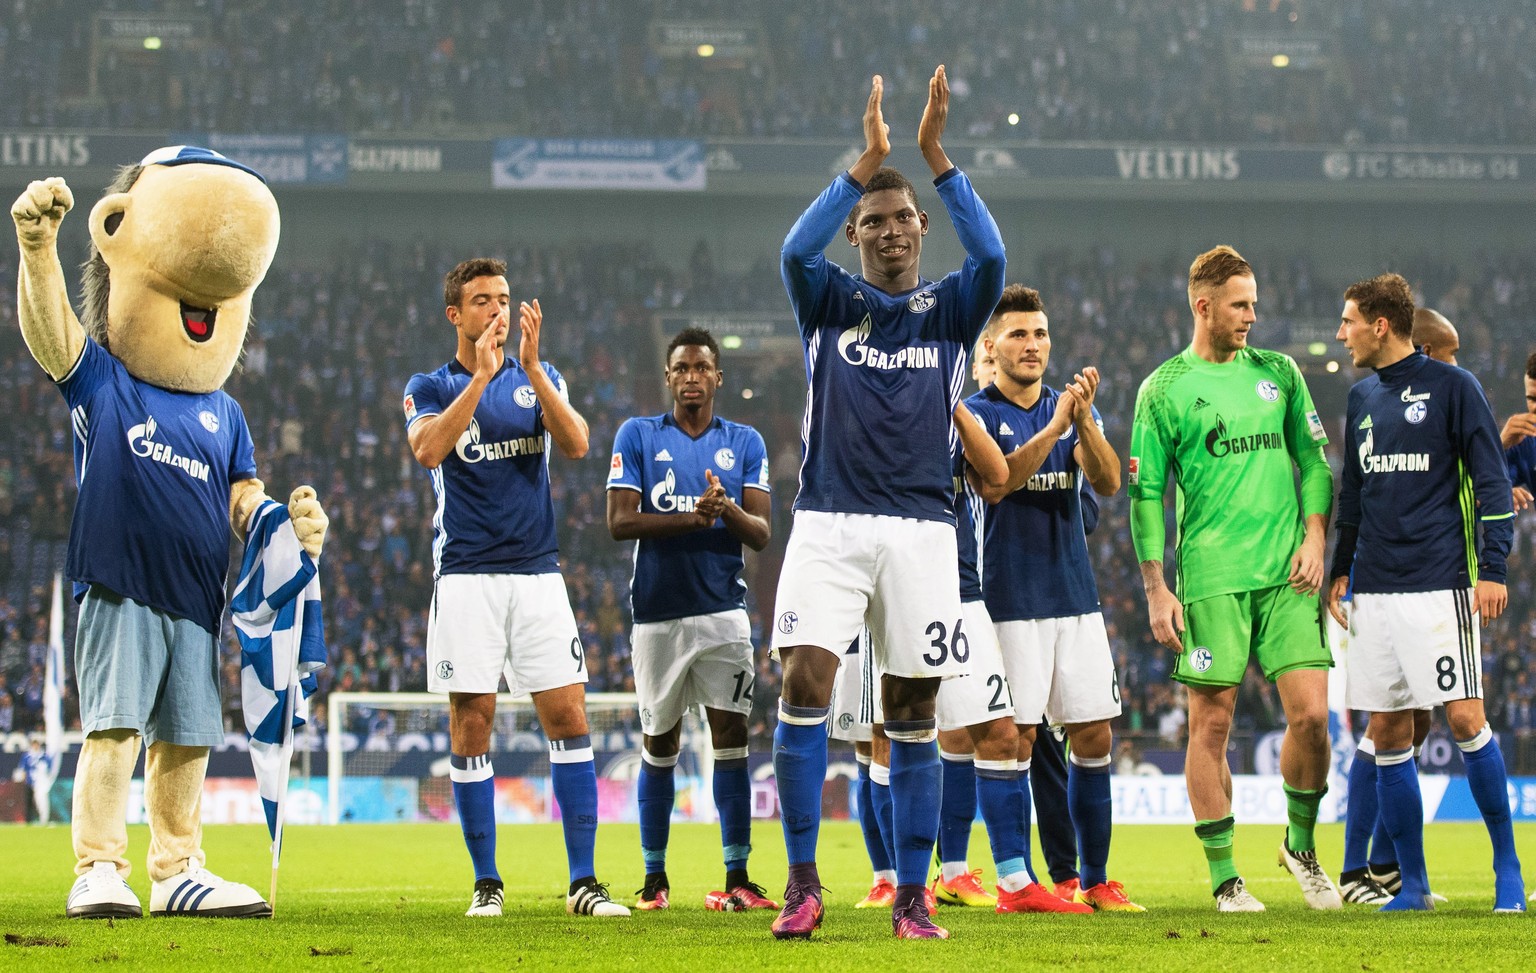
(391, 897)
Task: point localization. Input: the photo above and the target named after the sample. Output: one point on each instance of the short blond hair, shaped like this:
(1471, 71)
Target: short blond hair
(1214, 268)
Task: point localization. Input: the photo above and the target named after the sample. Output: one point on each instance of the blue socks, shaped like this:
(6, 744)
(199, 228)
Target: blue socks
(474, 793)
(1002, 808)
(1092, 811)
(800, 765)
(1029, 865)
(884, 811)
(733, 799)
(915, 782)
(573, 777)
(655, 793)
(1402, 811)
(1382, 853)
(1488, 782)
(869, 822)
(957, 807)
(1048, 789)
(1360, 817)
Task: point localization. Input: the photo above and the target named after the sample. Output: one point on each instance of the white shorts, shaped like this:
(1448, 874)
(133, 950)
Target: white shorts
(683, 662)
(898, 576)
(1061, 669)
(856, 694)
(482, 625)
(1413, 650)
(981, 695)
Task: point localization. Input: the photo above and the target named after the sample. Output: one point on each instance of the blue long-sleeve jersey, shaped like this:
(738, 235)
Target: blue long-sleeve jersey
(886, 370)
(1422, 466)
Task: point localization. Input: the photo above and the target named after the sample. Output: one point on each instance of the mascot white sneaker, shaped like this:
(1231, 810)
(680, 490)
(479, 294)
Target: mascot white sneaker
(165, 467)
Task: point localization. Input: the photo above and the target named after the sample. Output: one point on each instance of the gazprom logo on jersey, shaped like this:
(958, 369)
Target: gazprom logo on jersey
(1054, 480)
(472, 450)
(141, 440)
(852, 345)
(665, 498)
(1218, 443)
(1371, 462)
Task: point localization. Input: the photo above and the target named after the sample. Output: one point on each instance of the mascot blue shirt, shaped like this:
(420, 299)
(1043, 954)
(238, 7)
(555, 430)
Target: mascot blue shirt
(142, 451)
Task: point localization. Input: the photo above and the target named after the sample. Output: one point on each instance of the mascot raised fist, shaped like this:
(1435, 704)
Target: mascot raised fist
(165, 468)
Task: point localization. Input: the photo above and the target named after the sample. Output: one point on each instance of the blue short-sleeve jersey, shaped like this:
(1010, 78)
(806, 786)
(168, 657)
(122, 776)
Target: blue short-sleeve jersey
(494, 511)
(697, 573)
(154, 468)
(1034, 552)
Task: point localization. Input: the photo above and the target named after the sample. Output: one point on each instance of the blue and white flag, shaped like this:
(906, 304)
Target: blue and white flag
(53, 678)
(276, 610)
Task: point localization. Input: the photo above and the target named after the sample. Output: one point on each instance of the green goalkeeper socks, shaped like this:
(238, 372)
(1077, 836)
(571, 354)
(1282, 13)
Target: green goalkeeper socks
(1216, 836)
(1301, 809)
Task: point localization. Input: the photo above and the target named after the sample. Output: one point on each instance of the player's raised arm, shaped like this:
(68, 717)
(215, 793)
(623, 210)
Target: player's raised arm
(877, 135)
(1026, 461)
(930, 131)
(986, 263)
(1100, 462)
(802, 260)
(433, 437)
(564, 424)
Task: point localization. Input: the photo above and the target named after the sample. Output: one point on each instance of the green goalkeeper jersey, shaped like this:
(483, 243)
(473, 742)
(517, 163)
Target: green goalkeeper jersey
(1228, 435)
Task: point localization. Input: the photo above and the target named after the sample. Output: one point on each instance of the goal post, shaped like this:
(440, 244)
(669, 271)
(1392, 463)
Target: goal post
(387, 759)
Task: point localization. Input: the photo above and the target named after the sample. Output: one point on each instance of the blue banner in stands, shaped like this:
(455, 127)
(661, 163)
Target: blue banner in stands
(660, 164)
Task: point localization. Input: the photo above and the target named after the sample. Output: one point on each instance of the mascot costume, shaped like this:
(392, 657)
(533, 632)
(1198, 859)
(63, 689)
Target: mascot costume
(165, 467)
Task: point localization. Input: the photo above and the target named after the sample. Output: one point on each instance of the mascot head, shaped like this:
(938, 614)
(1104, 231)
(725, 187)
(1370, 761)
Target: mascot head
(178, 245)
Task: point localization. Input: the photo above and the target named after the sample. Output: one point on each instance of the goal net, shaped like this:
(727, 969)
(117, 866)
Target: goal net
(387, 759)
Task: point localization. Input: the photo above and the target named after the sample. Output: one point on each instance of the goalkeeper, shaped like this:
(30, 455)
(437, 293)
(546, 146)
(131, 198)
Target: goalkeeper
(1228, 422)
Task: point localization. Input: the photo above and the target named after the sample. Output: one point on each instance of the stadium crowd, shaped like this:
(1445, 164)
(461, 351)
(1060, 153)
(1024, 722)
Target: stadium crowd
(1393, 71)
(333, 346)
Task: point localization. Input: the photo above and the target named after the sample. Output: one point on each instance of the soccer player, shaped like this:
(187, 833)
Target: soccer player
(691, 488)
(1421, 447)
(1037, 579)
(1435, 336)
(1231, 424)
(482, 424)
(1518, 437)
(956, 883)
(874, 533)
(1370, 875)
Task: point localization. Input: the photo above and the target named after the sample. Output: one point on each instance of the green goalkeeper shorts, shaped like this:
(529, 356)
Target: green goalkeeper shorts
(1277, 626)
